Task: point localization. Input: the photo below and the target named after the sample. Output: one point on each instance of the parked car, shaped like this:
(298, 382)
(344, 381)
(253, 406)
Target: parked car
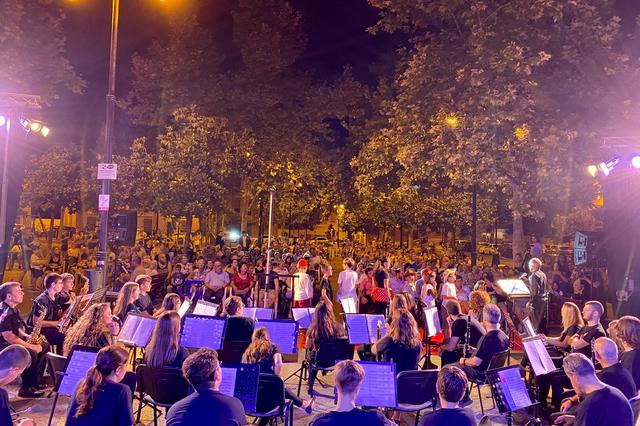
(487, 248)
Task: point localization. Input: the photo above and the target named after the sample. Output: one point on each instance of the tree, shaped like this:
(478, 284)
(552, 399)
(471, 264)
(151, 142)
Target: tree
(131, 189)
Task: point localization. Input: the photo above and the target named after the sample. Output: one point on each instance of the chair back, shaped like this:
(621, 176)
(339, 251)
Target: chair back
(164, 385)
(331, 351)
(270, 394)
(417, 387)
(635, 407)
(232, 351)
(498, 360)
(56, 364)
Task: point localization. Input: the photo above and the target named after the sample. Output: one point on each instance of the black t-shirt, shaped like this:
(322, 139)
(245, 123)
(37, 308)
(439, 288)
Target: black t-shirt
(131, 308)
(181, 355)
(570, 331)
(355, 417)
(10, 321)
(379, 277)
(589, 333)
(326, 285)
(63, 299)
(405, 358)
(144, 304)
(43, 301)
(459, 330)
(5, 411)
(620, 378)
(266, 363)
(449, 417)
(606, 406)
(206, 407)
(112, 407)
(239, 329)
(491, 343)
(631, 361)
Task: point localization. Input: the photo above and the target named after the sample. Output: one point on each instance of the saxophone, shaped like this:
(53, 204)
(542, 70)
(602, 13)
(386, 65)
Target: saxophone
(35, 338)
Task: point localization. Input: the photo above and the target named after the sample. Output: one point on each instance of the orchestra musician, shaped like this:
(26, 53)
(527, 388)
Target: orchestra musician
(171, 302)
(66, 296)
(95, 328)
(402, 344)
(12, 331)
(452, 350)
(572, 322)
(143, 302)
(539, 296)
(50, 321)
(239, 328)
(125, 302)
(628, 333)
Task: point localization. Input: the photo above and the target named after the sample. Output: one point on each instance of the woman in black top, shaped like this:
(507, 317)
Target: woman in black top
(263, 352)
(171, 302)
(628, 332)
(572, 322)
(95, 328)
(164, 348)
(100, 399)
(402, 344)
(239, 328)
(125, 303)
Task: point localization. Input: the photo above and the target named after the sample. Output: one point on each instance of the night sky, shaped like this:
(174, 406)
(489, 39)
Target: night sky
(336, 32)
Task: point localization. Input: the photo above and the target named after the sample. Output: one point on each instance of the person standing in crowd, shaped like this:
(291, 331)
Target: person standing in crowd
(396, 283)
(100, 399)
(143, 302)
(601, 405)
(539, 296)
(215, 283)
(628, 333)
(326, 292)
(365, 288)
(14, 359)
(452, 350)
(47, 301)
(381, 293)
(451, 387)
(402, 344)
(348, 378)
(202, 370)
(95, 328)
(347, 280)
(12, 332)
(303, 287)
(428, 288)
(448, 291)
(126, 301)
(164, 348)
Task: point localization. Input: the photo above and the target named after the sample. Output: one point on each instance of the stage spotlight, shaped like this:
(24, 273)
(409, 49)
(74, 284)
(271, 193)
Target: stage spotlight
(608, 166)
(635, 161)
(24, 123)
(592, 170)
(44, 131)
(3, 120)
(35, 126)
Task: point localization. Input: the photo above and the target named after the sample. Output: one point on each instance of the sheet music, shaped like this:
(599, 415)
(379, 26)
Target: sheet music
(357, 329)
(529, 327)
(433, 321)
(512, 388)
(372, 324)
(258, 313)
(77, 367)
(202, 332)
(228, 384)
(184, 307)
(348, 305)
(137, 330)
(283, 333)
(538, 355)
(378, 389)
(303, 316)
(241, 381)
(205, 308)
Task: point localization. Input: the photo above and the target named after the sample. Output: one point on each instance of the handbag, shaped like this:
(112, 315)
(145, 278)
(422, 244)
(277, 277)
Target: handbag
(380, 295)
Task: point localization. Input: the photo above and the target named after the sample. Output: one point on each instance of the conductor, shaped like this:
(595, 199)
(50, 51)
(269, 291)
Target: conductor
(539, 296)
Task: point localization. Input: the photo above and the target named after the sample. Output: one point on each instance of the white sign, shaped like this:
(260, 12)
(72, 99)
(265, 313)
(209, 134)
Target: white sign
(103, 203)
(108, 171)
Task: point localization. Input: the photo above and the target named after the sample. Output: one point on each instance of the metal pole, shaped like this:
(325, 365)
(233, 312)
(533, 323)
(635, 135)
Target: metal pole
(474, 226)
(108, 138)
(268, 269)
(5, 187)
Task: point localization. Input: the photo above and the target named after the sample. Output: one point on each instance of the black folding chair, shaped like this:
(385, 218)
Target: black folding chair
(271, 401)
(232, 351)
(498, 360)
(326, 357)
(160, 387)
(417, 391)
(55, 366)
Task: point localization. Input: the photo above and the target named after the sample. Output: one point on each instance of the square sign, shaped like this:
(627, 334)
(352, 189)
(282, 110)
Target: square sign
(103, 203)
(107, 171)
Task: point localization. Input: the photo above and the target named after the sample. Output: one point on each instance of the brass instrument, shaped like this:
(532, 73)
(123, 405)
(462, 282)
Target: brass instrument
(35, 338)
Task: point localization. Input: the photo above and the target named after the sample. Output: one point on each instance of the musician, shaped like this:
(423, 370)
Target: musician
(539, 296)
(402, 344)
(164, 348)
(125, 302)
(12, 332)
(50, 321)
(492, 342)
(66, 296)
(628, 333)
(143, 302)
(452, 350)
(451, 386)
(572, 322)
(95, 328)
(239, 328)
(602, 404)
(171, 302)
(14, 359)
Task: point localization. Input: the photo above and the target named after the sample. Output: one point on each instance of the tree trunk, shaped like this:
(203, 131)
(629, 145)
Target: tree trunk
(410, 239)
(50, 237)
(187, 232)
(518, 233)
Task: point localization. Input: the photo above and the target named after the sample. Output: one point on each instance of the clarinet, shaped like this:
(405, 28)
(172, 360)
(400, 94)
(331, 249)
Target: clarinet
(467, 337)
(388, 311)
(593, 352)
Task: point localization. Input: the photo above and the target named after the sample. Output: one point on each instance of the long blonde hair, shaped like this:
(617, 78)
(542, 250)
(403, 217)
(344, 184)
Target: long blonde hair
(404, 329)
(88, 328)
(165, 341)
(260, 348)
(124, 298)
(570, 315)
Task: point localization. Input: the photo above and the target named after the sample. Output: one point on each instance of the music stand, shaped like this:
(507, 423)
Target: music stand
(379, 387)
(258, 313)
(205, 308)
(514, 288)
(136, 333)
(303, 316)
(432, 327)
(200, 331)
(80, 360)
(509, 391)
(241, 381)
(283, 333)
(348, 305)
(184, 308)
(362, 329)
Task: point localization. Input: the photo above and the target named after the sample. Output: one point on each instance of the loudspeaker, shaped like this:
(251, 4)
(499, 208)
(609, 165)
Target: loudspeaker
(122, 228)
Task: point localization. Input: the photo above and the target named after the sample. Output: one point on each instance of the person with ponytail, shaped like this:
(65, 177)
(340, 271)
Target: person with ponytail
(171, 302)
(164, 348)
(263, 352)
(100, 399)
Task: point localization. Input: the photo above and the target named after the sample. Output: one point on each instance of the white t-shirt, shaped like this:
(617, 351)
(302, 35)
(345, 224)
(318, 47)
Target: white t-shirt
(303, 289)
(449, 290)
(428, 300)
(347, 281)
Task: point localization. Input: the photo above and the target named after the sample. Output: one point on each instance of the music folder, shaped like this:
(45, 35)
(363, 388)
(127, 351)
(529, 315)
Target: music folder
(349, 305)
(538, 355)
(258, 313)
(137, 330)
(201, 331)
(432, 317)
(283, 333)
(303, 316)
(184, 308)
(205, 308)
(363, 328)
(514, 287)
(379, 387)
(241, 381)
(528, 327)
(508, 387)
(79, 361)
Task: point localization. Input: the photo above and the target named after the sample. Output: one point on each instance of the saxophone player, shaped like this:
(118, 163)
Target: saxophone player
(47, 299)
(12, 331)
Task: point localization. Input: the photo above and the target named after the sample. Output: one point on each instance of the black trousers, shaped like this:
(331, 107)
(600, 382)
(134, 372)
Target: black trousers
(538, 314)
(558, 382)
(54, 337)
(31, 375)
(450, 357)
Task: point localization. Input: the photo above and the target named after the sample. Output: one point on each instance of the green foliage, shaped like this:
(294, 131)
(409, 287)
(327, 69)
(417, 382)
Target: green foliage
(131, 190)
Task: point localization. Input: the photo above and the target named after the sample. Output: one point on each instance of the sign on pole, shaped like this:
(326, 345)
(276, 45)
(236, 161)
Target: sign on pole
(103, 202)
(107, 171)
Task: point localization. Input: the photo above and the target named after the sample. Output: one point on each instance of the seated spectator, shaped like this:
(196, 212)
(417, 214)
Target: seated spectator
(451, 386)
(100, 398)
(348, 378)
(203, 371)
(628, 333)
(164, 348)
(239, 328)
(14, 359)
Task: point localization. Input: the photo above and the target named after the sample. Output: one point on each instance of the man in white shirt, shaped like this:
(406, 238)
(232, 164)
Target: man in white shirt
(215, 282)
(347, 280)
(303, 287)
